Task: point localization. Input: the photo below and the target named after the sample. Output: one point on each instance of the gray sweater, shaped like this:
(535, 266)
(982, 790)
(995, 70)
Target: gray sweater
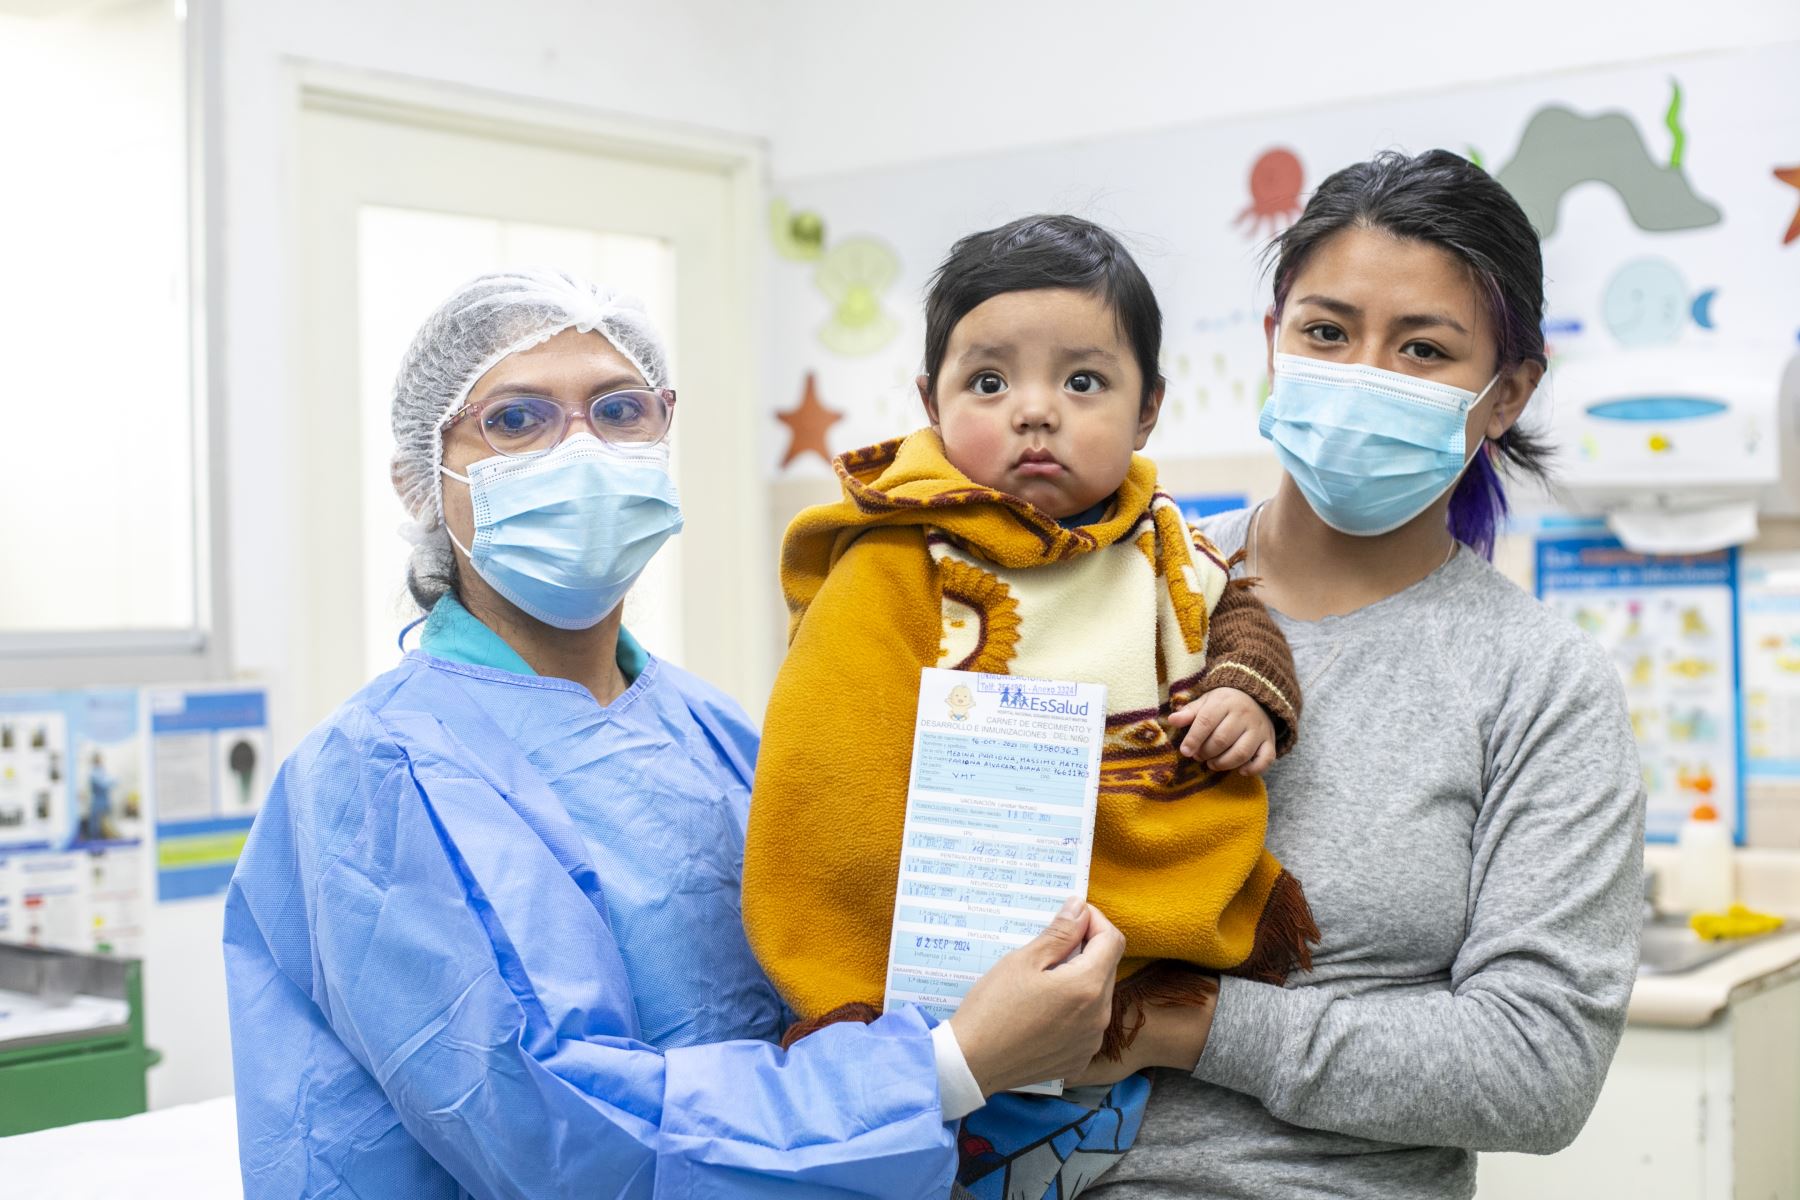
(1465, 813)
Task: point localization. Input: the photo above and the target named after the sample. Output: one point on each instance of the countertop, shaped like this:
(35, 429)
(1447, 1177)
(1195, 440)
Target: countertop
(1693, 998)
(1767, 880)
(32, 1018)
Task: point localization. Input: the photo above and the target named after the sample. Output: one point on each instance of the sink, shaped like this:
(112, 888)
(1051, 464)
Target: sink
(1669, 947)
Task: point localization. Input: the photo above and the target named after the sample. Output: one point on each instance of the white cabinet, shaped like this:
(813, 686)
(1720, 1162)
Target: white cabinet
(1711, 1113)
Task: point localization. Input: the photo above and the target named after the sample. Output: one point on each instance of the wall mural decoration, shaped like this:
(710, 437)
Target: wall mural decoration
(1646, 303)
(1561, 149)
(853, 275)
(808, 424)
(1661, 189)
(797, 236)
(1791, 177)
(1276, 180)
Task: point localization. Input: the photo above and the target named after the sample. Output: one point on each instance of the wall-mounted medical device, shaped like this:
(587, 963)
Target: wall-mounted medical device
(1679, 449)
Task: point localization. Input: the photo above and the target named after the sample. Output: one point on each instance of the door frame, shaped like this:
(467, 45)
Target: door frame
(733, 647)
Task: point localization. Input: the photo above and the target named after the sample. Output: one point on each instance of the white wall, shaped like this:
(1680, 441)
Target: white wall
(866, 85)
(702, 63)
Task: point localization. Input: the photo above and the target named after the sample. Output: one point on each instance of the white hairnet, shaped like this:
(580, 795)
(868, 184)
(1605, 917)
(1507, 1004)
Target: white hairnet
(487, 319)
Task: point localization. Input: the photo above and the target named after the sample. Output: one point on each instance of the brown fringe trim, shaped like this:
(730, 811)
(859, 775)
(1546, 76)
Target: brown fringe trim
(1166, 984)
(864, 1013)
(1285, 935)
(1237, 560)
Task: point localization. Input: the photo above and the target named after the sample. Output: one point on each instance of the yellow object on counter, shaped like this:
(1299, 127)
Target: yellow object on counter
(1736, 923)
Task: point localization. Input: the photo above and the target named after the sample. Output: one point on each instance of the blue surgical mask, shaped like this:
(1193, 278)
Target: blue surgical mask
(563, 535)
(1369, 449)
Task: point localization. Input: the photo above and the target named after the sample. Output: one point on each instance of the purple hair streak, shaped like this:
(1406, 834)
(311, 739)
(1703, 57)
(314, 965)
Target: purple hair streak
(1478, 504)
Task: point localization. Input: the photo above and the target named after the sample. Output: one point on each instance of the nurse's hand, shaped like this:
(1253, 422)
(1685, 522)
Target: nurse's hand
(1038, 1013)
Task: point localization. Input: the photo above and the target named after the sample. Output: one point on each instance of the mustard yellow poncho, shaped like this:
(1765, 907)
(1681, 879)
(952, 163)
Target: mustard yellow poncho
(917, 566)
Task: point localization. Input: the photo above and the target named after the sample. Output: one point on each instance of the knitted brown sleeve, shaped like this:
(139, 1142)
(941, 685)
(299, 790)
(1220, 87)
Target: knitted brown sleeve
(1245, 650)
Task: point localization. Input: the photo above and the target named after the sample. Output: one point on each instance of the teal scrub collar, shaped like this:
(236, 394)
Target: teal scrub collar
(453, 634)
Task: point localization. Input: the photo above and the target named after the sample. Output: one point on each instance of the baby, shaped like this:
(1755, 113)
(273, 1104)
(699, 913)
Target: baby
(1020, 534)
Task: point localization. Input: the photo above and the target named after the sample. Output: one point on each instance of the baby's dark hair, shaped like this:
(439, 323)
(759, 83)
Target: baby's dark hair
(1044, 251)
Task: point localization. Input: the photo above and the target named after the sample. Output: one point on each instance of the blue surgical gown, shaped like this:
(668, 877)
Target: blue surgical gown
(484, 940)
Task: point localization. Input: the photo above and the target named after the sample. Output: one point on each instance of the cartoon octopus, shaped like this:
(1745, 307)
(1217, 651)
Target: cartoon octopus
(1275, 182)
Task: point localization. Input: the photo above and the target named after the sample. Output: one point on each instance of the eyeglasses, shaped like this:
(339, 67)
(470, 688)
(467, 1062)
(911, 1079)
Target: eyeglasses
(520, 426)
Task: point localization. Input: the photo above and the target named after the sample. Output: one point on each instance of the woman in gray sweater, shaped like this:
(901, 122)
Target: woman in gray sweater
(1464, 807)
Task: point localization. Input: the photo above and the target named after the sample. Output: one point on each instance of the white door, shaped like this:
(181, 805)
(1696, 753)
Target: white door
(397, 207)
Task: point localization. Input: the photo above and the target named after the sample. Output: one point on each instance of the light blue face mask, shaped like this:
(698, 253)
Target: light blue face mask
(1369, 449)
(563, 535)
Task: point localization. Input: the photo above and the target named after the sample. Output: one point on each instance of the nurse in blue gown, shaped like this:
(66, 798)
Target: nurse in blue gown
(484, 939)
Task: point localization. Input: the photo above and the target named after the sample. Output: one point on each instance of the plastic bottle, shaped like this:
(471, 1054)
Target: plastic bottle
(1704, 865)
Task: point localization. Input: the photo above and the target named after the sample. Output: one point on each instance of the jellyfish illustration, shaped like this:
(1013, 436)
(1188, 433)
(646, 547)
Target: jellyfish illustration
(242, 761)
(853, 275)
(1275, 182)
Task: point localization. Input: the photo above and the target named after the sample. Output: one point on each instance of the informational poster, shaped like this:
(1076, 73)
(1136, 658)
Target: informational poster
(1670, 625)
(1198, 507)
(999, 825)
(74, 816)
(210, 756)
(1769, 606)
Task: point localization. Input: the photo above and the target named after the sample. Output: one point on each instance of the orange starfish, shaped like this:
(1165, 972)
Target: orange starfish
(1791, 177)
(808, 423)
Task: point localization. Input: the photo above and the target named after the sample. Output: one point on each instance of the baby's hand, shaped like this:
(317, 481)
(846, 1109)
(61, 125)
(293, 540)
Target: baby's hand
(1230, 732)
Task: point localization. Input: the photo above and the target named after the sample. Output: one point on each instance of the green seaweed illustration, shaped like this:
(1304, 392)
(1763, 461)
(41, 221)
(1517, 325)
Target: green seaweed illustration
(1672, 119)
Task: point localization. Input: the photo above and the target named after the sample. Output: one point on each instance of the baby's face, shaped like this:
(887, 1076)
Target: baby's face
(1039, 395)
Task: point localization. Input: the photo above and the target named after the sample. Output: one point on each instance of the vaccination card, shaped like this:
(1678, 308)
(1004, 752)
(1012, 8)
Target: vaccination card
(999, 825)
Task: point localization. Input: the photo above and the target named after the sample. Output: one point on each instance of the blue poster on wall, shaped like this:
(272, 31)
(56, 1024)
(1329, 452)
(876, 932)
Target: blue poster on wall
(1670, 625)
(74, 804)
(1769, 645)
(209, 754)
(1198, 507)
